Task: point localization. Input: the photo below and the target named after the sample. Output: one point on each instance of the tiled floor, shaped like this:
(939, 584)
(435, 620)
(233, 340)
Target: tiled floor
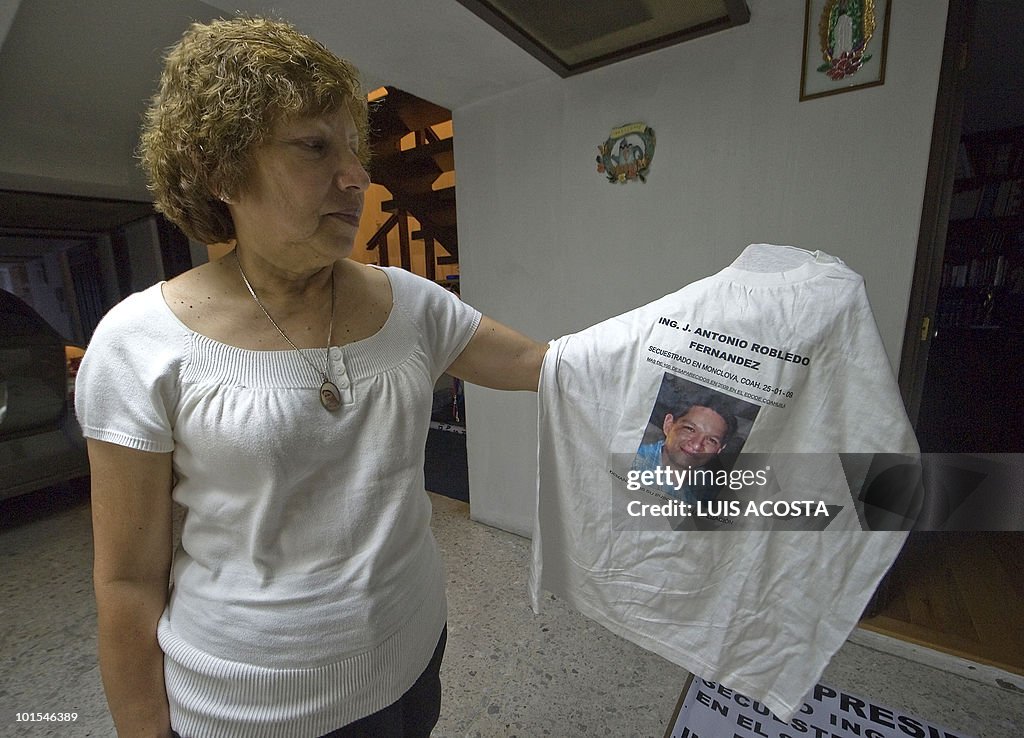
(506, 672)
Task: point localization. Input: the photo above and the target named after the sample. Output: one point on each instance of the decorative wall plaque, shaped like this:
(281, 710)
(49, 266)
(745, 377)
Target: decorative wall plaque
(844, 46)
(627, 153)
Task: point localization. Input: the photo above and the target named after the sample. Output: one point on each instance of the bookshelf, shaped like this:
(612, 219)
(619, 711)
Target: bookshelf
(973, 392)
(982, 283)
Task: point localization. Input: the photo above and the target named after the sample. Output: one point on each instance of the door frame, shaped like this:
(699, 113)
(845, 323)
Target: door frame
(938, 195)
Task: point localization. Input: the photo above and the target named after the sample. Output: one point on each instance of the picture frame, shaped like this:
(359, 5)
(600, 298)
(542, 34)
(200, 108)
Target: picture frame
(845, 44)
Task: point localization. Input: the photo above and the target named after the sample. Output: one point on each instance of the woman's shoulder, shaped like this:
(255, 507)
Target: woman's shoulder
(138, 332)
(139, 326)
(137, 311)
(409, 288)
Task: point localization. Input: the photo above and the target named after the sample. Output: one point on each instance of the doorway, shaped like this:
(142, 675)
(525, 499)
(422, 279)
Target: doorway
(961, 368)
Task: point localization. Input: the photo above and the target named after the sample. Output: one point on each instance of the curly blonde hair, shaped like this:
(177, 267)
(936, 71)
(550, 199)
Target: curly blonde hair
(223, 88)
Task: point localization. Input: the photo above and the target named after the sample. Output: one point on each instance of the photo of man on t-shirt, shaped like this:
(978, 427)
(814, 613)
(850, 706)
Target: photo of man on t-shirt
(689, 428)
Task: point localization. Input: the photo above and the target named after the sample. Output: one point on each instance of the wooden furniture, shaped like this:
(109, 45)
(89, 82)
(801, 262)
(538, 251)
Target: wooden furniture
(983, 269)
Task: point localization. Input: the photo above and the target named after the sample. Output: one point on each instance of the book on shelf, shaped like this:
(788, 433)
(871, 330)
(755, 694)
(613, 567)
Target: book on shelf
(981, 271)
(1015, 198)
(993, 200)
(964, 204)
(964, 169)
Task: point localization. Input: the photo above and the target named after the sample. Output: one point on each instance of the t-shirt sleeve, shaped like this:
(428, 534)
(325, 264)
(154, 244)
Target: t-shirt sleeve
(444, 320)
(127, 384)
(870, 395)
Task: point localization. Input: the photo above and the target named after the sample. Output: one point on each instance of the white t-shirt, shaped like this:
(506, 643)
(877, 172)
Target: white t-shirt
(308, 589)
(784, 341)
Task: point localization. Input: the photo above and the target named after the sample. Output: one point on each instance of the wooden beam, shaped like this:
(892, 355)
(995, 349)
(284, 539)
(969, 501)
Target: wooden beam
(428, 256)
(403, 241)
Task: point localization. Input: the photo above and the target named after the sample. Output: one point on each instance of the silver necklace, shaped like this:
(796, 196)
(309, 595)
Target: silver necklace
(330, 396)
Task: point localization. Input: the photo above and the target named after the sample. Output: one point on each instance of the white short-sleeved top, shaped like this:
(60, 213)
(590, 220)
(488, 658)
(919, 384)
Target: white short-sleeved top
(306, 561)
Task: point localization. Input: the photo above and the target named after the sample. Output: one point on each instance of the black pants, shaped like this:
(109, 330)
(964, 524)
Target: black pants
(415, 713)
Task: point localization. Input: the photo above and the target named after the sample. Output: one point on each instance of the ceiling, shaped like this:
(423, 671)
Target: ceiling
(75, 76)
(608, 31)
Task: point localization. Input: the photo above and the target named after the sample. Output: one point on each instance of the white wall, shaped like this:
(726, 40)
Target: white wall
(548, 246)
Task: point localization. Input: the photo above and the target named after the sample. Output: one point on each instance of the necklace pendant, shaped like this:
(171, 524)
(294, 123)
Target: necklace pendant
(330, 396)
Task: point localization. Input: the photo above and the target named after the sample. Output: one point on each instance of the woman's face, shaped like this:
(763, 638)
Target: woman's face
(304, 197)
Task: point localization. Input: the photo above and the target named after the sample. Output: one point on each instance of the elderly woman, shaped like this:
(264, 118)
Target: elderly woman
(281, 395)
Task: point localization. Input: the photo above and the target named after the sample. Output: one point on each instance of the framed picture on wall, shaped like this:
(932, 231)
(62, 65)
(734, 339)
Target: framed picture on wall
(844, 46)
